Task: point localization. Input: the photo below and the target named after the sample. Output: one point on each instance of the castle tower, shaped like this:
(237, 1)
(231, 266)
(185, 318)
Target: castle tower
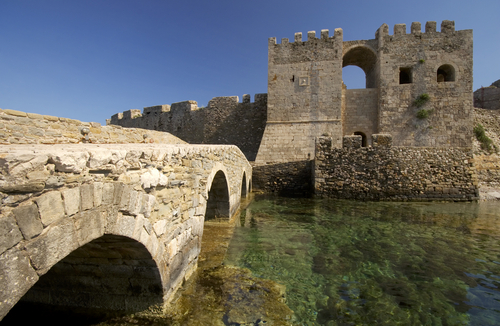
(304, 96)
(418, 89)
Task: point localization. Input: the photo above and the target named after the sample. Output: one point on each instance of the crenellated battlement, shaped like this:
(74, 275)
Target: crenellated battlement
(186, 106)
(447, 27)
(311, 37)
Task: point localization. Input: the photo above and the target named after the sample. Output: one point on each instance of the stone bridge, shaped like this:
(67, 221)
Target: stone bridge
(111, 227)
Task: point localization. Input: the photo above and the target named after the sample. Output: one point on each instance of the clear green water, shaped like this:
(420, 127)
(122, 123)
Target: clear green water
(375, 263)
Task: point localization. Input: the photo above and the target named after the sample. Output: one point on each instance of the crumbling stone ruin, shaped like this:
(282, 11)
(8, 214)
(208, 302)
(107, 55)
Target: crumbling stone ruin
(488, 97)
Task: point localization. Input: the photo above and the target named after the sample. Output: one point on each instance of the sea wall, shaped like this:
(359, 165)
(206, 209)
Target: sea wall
(383, 172)
(18, 127)
(292, 179)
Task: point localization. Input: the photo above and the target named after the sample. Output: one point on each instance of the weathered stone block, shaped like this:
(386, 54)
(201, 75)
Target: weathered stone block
(86, 197)
(98, 193)
(382, 140)
(16, 276)
(89, 225)
(50, 207)
(55, 243)
(71, 200)
(9, 233)
(28, 220)
(353, 141)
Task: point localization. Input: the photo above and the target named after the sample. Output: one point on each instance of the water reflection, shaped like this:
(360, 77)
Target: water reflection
(365, 263)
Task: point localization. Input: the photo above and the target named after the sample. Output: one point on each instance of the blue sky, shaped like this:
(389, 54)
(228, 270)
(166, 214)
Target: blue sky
(90, 59)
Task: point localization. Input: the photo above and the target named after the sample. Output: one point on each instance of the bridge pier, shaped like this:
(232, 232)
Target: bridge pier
(112, 227)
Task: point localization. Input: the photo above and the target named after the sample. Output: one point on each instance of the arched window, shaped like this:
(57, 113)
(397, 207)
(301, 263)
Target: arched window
(364, 58)
(445, 73)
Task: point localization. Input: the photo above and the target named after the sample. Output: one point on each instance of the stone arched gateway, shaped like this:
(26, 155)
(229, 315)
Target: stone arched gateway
(126, 219)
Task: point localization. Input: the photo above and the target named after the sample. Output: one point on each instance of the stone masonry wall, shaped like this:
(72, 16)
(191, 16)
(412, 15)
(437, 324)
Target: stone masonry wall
(18, 127)
(291, 179)
(438, 64)
(488, 97)
(360, 113)
(303, 101)
(56, 199)
(223, 121)
(383, 172)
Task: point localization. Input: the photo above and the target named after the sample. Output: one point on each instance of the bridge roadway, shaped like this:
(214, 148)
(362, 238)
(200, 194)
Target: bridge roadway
(111, 227)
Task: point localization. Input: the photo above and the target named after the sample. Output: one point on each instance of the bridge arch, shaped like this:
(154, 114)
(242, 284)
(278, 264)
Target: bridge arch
(218, 199)
(96, 259)
(244, 186)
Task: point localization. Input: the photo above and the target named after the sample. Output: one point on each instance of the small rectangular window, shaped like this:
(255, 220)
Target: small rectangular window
(405, 76)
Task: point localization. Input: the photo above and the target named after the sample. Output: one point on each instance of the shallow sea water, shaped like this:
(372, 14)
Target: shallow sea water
(339, 262)
(373, 263)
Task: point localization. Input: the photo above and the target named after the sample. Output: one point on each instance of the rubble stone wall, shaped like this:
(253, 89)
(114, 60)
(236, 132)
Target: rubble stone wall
(383, 172)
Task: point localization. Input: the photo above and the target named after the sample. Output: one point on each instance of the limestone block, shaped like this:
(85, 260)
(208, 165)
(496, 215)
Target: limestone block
(124, 225)
(98, 192)
(86, 197)
(28, 220)
(16, 276)
(152, 177)
(55, 243)
(148, 202)
(107, 193)
(50, 207)
(9, 233)
(134, 203)
(71, 162)
(89, 225)
(99, 158)
(71, 200)
(160, 227)
(25, 187)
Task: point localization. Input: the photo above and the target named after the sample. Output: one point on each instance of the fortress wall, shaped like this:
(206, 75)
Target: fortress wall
(487, 98)
(383, 172)
(360, 113)
(420, 55)
(18, 127)
(293, 179)
(224, 121)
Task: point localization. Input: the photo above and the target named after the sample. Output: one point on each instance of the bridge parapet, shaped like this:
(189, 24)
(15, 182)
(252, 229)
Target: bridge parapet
(132, 213)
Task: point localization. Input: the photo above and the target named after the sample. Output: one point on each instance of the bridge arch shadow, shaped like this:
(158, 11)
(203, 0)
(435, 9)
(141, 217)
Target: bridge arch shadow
(109, 275)
(218, 202)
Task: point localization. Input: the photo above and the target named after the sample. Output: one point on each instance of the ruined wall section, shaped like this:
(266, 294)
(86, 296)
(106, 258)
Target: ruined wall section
(17, 127)
(435, 63)
(488, 97)
(304, 89)
(224, 121)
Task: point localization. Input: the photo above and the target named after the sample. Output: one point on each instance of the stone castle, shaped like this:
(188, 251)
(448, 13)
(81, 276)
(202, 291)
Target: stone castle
(306, 96)
(418, 95)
